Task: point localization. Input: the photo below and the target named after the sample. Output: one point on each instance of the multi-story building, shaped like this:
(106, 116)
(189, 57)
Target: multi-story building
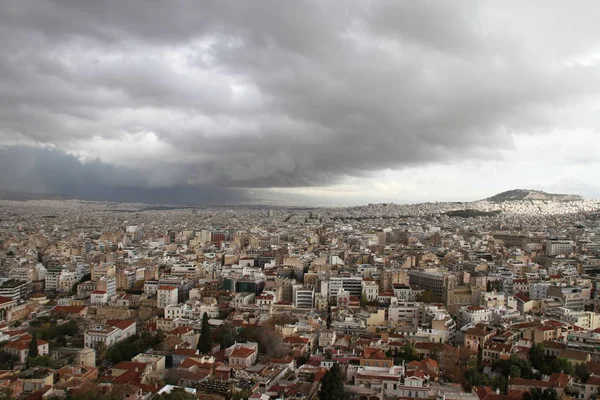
(405, 314)
(304, 296)
(20, 348)
(321, 302)
(192, 310)
(98, 298)
(166, 295)
(107, 284)
(113, 331)
(189, 271)
(84, 289)
(125, 278)
(571, 297)
(15, 289)
(28, 274)
(428, 279)
(370, 290)
(404, 292)
(183, 285)
(556, 247)
(104, 269)
(350, 284)
(468, 315)
(539, 290)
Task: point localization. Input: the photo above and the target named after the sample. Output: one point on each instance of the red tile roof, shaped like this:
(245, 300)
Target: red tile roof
(68, 309)
(122, 324)
(242, 352)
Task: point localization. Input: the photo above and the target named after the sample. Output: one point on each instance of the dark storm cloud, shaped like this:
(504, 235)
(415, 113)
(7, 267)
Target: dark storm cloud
(41, 170)
(282, 94)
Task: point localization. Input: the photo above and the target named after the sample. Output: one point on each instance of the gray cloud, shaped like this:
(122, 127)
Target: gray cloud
(285, 94)
(40, 170)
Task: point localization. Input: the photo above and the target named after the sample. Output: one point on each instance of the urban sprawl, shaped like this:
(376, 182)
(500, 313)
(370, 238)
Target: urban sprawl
(489, 300)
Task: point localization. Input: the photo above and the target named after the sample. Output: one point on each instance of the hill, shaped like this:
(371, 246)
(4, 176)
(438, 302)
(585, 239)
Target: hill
(526, 194)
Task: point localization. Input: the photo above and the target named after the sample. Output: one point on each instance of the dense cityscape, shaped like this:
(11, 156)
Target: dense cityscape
(301, 199)
(494, 299)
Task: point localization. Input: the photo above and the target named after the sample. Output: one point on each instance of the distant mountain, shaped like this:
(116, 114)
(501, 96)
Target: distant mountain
(526, 194)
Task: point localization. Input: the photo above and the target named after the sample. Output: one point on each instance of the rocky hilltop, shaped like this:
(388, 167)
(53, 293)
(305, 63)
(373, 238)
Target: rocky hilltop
(513, 202)
(527, 194)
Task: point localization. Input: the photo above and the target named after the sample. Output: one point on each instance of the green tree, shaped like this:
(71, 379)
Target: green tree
(557, 365)
(537, 357)
(539, 394)
(515, 371)
(205, 343)
(40, 361)
(33, 346)
(409, 352)
(175, 394)
(363, 299)
(226, 335)
(500, 383)
(582, 372)
(332, 385)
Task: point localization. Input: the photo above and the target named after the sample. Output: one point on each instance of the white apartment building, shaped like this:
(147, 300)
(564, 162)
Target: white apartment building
(404, 293)
(473, 315)
(370, 289)
(405, 314)
(166, 295)
(107, 284)
(110, 333)
(191, 310)
(98, 298)
(367, 271)
(304, 296)
(51, 280)
(151, 287)
(187, 271)
(539, 290)
(583, 319)
(556, 247)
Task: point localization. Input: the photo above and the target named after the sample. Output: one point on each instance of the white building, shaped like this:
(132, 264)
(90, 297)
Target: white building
(556, 247)
(167, 295)
(473, 315)
(370, 289)
(405, 314)
(110, 333)
(350, 284)
(191, 310)
(98, 298)
(304, 296)
(539, 290)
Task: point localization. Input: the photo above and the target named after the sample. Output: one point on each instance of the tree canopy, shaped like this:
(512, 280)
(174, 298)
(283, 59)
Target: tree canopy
(175, 394)
(539, 394)
(33, 345)
(332, 385)
(205, 343)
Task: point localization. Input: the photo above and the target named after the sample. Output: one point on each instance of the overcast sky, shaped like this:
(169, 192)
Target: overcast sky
(344, 102)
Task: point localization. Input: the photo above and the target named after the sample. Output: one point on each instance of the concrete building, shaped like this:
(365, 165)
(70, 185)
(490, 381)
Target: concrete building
(166, 295)
(556, 247)
(571, 297)
(304, 296)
